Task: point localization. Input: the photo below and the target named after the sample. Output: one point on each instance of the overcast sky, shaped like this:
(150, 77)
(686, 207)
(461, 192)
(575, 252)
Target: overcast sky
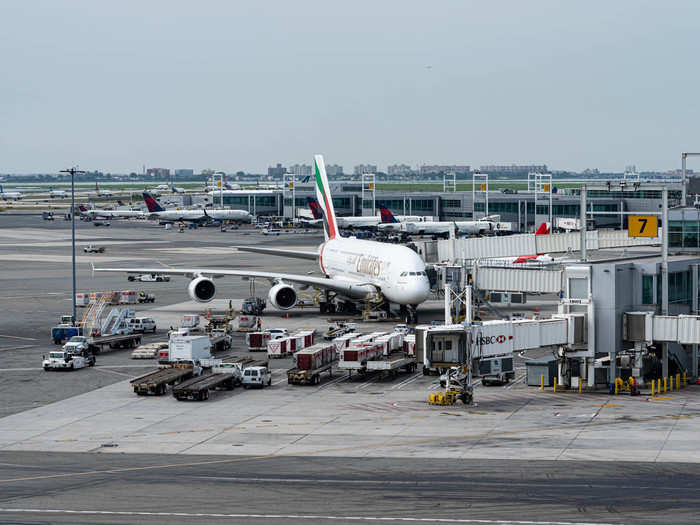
(240, 85)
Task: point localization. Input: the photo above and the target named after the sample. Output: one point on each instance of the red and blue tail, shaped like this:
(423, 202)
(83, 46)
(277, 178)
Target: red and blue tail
(387, 216)
(315, 208)
(151, 203)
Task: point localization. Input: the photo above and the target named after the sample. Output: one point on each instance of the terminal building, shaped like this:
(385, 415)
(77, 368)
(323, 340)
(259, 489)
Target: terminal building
(524, 209)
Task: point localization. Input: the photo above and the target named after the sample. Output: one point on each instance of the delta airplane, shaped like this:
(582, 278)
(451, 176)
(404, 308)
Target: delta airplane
(10, 195)
(351, 268)
(97, 213)
(368, 221)
(102, 193)
(202, 215)
(436, 227)
(56, 193)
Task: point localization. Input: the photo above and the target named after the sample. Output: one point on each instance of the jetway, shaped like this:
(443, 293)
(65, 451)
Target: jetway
(531, 244)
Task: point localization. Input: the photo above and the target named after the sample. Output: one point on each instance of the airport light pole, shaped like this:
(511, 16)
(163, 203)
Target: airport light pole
(72, 172)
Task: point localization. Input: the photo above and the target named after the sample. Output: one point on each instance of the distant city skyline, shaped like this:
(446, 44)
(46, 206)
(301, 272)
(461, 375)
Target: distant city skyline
(235, 85)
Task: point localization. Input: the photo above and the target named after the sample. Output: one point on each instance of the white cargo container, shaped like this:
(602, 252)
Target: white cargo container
(190, 321)
(189, 348)
(82, 299)
(127, 297)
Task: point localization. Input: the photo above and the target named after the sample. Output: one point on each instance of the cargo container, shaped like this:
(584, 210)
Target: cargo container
(343, 341)
(82, 299)
(282, 346)
(257, 340)
(409, 345)
(307, 338)
(356, 356)
(190, 321)
(310, 362)
(127, 297)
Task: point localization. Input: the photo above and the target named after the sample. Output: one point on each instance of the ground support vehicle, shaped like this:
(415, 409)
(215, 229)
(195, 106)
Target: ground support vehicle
(253, 306)
(146, 297)
(257, 376)
(339, 328)
(66, 361)
(64, 331)
(156, 382)
(220, 340)
(198, 388)
(297, 376)
(98, 344)
(310, 362)
(91, 248)
(393, 363)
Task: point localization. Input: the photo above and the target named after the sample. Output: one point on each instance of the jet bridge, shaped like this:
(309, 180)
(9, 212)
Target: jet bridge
(479, 343)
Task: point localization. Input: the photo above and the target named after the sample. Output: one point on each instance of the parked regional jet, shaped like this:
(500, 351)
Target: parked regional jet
(102, 193)
(351, 268)
(10, 195)
(199, 215)
(56, 193)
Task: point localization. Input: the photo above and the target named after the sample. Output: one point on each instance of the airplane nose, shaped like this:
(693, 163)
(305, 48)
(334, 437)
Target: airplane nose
(418, 291)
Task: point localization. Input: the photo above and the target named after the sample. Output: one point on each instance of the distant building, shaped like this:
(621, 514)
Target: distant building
(514, 168)
(300, 170)
(365, 168)
(334, 169)
(184, 173)
(399, 169)
(436, 169)
(276, 171)
(158, 172)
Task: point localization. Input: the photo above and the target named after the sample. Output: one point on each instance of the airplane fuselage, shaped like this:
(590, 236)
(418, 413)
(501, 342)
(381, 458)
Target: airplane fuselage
(397, 271)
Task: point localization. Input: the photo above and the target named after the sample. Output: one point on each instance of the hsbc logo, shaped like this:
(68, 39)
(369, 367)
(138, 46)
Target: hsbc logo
(491, 339)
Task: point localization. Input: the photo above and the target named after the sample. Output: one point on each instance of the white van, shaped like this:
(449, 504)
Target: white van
(142, 324)
(257, 376)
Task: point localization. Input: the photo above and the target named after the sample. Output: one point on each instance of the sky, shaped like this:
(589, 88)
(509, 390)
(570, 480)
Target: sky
(116, 85)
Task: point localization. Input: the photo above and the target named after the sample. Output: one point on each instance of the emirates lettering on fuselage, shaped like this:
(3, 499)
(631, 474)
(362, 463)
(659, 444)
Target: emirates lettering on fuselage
(369, 266)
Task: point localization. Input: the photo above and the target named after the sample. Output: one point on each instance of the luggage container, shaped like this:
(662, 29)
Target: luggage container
(127, 297)
(307, 338)
(257, 340)
(310, 362)
(95, 296)
(409, 345)
(280, 347)
(82, 299)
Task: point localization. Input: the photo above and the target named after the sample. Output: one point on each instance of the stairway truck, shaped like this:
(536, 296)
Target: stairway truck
(310, 363)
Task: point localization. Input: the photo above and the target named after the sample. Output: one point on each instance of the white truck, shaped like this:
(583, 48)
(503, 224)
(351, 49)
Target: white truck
(76, 344)
(142, 324)
(257, 376)
(66, 361)
(190, 348)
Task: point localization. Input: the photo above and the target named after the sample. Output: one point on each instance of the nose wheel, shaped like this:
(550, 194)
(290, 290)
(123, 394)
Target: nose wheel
(409, 313)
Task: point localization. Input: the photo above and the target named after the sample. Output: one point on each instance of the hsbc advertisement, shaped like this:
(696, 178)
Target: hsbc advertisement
(492, 338)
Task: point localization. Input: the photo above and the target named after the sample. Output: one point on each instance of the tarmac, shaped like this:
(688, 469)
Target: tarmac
(81, 447)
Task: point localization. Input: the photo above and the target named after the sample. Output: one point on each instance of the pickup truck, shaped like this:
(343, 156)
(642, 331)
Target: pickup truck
(66, 361)
(76, 344)
(91, 248)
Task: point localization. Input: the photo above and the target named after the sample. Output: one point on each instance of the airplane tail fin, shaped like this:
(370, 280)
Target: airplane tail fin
(387, 216)
(82, 208)
(323, 195)
(121, 203)
(151, 203)
(315, 209)
(1, 190)
(543, 229)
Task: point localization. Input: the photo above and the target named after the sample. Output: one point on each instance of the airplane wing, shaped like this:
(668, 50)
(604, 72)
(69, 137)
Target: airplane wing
(342, 286)
(295, 254)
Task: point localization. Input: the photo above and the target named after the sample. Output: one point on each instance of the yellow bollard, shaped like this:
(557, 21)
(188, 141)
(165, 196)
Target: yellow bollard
(580, 385)
(678, 381)
(616, 387)
(542, 382)
(555, 385)
(652, 388)
(665, 385)
(685, 379)
(670, 380)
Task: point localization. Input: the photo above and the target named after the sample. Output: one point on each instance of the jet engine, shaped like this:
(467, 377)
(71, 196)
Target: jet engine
(201, 289)
(282, 296)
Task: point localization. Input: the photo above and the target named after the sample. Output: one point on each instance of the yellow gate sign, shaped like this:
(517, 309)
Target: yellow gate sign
(643, 226)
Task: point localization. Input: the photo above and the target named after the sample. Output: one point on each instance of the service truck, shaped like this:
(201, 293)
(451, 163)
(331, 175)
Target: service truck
(225, 376)
(66, 361)
(189, 348)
